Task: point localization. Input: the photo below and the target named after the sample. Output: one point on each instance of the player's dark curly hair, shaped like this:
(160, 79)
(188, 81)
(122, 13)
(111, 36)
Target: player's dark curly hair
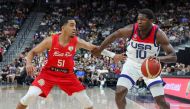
(65, 20)
(149, 13)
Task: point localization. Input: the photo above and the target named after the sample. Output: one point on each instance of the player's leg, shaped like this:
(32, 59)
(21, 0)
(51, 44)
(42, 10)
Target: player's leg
(157, 90)
(123, 85)
(40, 87)
(158, 93)
(126, 80)
(160, 100)
(32, 93)
(83, 98)
(72, 86)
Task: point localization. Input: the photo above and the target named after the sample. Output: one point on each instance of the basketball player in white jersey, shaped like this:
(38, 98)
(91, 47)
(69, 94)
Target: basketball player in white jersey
(145, 40)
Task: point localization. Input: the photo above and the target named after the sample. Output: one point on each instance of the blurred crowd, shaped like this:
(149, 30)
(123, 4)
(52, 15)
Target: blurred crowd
(12, 16)
(95, 21)
(178, 69)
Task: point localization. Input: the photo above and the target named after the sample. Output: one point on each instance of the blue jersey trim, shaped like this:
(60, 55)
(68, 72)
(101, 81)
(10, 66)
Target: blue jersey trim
(128, 77)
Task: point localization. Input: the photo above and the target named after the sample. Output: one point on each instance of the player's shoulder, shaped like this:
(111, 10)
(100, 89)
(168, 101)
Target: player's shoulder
(161, 36)
(160, 33)
(129, 27)
(48, 39)
(47, 42)
(126, 31)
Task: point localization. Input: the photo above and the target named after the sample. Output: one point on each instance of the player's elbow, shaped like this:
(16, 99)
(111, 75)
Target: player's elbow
(174, 58)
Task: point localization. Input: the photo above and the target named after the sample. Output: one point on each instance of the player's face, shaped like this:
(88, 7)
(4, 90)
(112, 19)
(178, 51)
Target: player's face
(70, 28)
(143, 22)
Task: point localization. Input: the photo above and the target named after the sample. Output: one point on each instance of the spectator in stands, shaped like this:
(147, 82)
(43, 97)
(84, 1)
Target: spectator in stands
(80, 74)
(12, 74)
(181, 70)
(5, 72)
(102, 80)
(140, 83)
(95, 79)
(12, 16)
(1, 54)
(188, 70)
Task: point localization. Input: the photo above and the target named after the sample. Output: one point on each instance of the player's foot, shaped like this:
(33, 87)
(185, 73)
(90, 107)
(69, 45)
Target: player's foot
(21, 106)
(89, 108)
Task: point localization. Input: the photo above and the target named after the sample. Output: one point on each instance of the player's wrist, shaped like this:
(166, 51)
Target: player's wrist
(101, 48)
(159, 59)
(28, 63)
(108, 53)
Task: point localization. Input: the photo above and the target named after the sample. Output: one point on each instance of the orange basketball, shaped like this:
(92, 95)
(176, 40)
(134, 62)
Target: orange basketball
(151, 68)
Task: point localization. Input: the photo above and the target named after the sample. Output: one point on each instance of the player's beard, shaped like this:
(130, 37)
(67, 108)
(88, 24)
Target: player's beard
(71, 36)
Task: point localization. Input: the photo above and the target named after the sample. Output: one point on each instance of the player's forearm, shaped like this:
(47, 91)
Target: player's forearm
(29, 57)
(111, 38)
(171, 58)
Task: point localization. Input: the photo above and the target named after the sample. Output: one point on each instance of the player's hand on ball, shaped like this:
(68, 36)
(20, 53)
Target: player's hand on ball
(30, 69)
(119, 57)
(151, 67)
(154, 57)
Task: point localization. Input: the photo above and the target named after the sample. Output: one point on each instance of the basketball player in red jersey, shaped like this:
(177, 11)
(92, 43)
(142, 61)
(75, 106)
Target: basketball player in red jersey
(144, 41)
(59, 67)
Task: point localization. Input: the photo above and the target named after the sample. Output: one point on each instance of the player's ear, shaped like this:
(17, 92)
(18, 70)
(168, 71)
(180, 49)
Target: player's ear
(62, 27)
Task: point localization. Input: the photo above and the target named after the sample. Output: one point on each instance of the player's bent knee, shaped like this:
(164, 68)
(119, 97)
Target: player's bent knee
(27, 99)
(160, 100)
(32, 93)
(162, 103)
(120, 92)
(84, 99)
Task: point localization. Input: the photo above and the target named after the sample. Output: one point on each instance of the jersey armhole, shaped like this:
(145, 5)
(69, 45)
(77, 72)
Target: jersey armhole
(54, 38)
(155, 44)
(76, 40)
(132, 33)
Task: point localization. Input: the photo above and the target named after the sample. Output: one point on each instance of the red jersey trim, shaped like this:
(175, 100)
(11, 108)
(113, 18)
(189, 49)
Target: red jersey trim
(151, 36)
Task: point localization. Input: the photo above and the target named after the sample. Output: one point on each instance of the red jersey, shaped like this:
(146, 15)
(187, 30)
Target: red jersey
(61, 59)
(59, 69)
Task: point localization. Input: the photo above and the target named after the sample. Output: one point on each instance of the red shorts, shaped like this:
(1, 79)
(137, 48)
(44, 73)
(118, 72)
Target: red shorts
(68, 83)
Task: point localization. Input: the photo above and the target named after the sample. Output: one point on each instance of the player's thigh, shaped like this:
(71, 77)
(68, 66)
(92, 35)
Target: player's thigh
(129, 75)
(71, 86)
(155, 86)
(151, 82)
(44, 84)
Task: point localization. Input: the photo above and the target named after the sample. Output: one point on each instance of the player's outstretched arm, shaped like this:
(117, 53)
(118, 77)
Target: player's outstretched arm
(45, 44)
(88, 46)
(120, 33)
(163, 41)
(85, 45)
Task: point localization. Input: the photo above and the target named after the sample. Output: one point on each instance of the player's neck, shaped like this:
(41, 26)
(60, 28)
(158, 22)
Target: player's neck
(64, 38)
(145, 33)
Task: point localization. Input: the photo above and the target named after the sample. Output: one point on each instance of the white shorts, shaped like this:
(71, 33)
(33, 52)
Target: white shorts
(131, 72)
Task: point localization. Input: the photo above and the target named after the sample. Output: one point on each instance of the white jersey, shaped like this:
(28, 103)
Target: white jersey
(138, 49)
